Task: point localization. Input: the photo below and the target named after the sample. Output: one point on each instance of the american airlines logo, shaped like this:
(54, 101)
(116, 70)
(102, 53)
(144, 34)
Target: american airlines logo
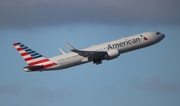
(126, 42)
(144, 37)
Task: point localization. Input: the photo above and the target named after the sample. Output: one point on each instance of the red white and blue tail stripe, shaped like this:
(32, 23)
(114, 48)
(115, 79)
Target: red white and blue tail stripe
(33, 58)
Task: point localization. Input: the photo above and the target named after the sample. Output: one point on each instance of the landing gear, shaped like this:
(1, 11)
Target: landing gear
(96, 62)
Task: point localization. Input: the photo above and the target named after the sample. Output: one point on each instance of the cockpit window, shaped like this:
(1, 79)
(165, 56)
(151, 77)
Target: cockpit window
(157, 33)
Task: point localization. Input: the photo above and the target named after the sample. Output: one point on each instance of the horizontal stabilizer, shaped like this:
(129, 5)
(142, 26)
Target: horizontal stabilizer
(62, 51)
(33, 68)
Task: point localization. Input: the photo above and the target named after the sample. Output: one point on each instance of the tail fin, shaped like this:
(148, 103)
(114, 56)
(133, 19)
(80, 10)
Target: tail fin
(33, 58)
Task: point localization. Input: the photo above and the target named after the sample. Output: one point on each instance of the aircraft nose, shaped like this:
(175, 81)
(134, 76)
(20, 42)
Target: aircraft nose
(162, 36)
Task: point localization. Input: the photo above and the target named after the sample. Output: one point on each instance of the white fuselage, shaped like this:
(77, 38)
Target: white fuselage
(122, 45)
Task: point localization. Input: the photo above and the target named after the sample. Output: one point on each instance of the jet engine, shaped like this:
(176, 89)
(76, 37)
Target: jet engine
(112, 54)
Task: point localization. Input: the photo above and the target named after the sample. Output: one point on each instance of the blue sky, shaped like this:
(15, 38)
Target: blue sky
(149, 76)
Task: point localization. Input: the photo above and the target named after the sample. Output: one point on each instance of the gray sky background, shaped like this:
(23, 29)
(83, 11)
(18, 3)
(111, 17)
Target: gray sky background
(36, 13)
(145, 77)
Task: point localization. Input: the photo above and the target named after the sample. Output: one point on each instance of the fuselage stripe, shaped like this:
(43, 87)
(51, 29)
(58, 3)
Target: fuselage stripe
(29, 58)
(15, 44)
(38, 56)
(49, 65)
(38, 62)
(19, 49)
(24, 54)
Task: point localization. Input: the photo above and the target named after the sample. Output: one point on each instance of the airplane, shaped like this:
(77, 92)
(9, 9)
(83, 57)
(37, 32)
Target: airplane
(96, 53)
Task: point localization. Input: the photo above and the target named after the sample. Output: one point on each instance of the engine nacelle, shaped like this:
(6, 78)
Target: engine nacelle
(112, 54)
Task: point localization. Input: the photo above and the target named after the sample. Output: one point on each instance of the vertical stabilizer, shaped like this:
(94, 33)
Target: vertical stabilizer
(33, 58)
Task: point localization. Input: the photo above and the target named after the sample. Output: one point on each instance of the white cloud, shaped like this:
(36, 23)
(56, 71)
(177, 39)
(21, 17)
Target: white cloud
(46, 93)
(157, 85)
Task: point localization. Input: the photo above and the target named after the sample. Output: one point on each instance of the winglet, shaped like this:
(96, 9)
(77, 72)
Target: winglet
(62, 51)
(70, 47)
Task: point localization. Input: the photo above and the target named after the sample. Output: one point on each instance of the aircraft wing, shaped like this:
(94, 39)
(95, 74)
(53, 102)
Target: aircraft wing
(89, 54)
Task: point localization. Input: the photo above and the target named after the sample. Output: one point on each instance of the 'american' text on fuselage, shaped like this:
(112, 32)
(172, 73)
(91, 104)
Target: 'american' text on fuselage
(124, 43)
